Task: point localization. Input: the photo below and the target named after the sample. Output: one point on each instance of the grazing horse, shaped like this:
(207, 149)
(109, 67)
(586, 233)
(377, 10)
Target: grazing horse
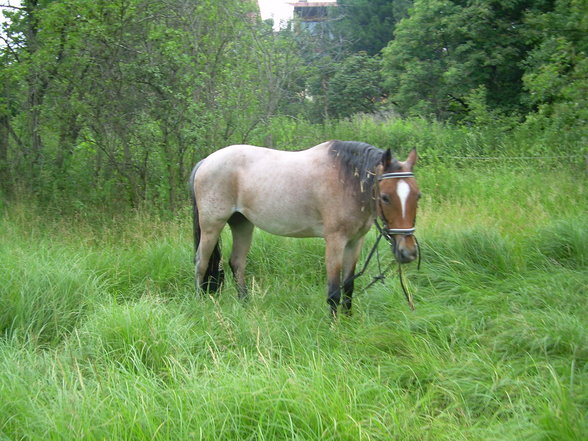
(335, 190)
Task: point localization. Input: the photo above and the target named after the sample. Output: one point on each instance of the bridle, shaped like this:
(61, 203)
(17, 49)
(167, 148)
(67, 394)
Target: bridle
(389, 233)
(385, 230)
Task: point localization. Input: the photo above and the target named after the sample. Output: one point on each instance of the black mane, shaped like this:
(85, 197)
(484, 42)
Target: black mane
(358, 162)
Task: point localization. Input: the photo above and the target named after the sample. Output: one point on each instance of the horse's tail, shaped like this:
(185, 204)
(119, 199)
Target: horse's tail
(214, 275)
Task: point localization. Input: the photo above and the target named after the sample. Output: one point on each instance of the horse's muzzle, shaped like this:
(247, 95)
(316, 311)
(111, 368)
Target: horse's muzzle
(405, 250)
(406, 256)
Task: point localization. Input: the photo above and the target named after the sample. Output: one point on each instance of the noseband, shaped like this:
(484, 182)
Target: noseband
(391, 231)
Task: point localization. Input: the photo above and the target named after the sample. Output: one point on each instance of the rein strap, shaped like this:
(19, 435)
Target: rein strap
(381, 276)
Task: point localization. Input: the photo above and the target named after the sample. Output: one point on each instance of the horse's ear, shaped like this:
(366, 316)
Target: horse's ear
(412, 159)
(386, 158)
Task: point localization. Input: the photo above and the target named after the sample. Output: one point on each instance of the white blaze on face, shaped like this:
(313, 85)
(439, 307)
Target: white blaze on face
(403, 190)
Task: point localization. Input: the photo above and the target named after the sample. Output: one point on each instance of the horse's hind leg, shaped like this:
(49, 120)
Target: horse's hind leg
(208, 271)
(242, 230)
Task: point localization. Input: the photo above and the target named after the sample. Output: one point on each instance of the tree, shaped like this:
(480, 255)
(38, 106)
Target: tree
(446, 50)
(28, 60)
(355, 86)
(556, 74)
(368, 25)
(115, 100)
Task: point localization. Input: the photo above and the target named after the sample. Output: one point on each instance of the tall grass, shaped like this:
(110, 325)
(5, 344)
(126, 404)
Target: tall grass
(436, 142)
(102, 336)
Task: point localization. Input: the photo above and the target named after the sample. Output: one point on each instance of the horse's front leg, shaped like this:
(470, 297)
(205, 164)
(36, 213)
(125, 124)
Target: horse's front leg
(335, 247)
(350, 256)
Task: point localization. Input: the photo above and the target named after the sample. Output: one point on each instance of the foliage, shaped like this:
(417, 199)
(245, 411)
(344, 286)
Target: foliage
(446, 49)
(368, 25)
(125, 95)
(437, 142)
(112, 102)
(343, 89)
(557, 71)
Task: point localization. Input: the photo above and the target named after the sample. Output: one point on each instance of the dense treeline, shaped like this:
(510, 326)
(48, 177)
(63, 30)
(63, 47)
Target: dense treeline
(476, 61)
(119, 98)
(113, 101)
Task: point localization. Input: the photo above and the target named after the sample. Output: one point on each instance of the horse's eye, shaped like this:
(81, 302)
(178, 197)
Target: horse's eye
(385, 198)
(420, 195)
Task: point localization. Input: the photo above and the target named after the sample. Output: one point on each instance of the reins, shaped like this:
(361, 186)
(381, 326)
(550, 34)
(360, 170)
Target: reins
(380, 277)
(389, 233)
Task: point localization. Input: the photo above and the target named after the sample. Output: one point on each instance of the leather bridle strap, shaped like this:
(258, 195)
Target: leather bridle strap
(395, 175)
(390, 231)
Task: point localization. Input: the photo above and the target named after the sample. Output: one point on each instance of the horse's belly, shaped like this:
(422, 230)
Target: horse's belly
(285, 223)
(294, 231)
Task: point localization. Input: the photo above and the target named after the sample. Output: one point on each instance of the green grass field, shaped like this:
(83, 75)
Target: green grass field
(103, 338)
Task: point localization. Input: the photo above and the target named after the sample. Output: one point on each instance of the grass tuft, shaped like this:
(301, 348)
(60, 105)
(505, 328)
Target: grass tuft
(564, 242)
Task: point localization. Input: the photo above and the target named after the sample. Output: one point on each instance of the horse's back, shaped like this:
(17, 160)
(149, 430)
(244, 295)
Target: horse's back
(250, 163)
(279, 191)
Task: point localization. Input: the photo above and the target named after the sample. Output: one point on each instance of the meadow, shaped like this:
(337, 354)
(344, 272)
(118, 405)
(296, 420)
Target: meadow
(103, 338)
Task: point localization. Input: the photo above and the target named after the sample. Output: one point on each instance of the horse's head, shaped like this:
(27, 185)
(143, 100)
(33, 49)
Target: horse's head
(397, 196)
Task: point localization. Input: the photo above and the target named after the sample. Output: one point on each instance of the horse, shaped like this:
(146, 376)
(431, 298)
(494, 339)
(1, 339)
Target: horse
(336, 190)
